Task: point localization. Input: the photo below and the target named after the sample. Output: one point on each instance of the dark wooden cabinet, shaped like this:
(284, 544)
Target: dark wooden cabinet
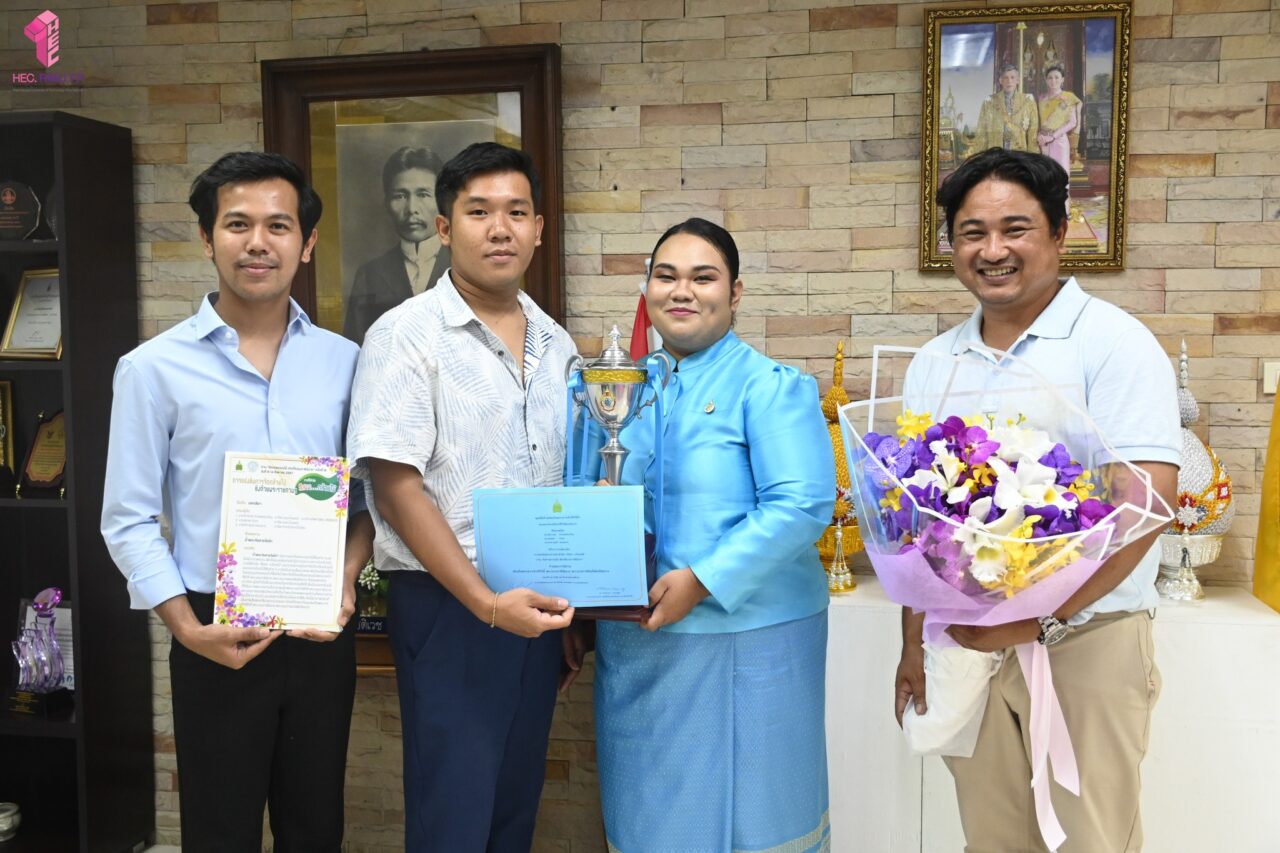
(85, 781)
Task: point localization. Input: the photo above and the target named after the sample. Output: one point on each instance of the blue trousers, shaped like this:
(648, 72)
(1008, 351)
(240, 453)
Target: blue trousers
(475, 705)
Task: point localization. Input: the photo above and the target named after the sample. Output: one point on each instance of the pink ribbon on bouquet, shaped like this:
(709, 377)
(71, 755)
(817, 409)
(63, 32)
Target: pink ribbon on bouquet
(908, 580)
(1050, 741)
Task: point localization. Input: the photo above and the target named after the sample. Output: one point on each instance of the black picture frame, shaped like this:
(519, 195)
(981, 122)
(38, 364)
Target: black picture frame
(290, 88)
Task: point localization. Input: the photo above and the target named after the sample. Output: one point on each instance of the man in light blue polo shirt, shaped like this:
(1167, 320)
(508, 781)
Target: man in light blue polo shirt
(1005, 213)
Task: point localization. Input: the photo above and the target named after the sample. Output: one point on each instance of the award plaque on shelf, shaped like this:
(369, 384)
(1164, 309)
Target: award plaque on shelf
(19, 211)
(6, 435)
(35, 322)
(46, 463)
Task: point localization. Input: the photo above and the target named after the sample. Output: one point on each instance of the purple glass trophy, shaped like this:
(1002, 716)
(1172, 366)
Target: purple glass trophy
(39, 684)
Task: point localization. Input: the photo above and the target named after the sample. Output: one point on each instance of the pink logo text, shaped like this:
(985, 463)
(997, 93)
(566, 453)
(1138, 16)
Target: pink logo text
(43, 30)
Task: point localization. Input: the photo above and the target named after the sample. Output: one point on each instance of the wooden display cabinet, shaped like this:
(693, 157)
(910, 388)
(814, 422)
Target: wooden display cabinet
(84, 780)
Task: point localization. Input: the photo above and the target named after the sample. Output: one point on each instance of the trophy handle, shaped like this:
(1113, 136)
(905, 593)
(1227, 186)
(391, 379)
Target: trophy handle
(667, 366)
(572, 378)
(667, 369)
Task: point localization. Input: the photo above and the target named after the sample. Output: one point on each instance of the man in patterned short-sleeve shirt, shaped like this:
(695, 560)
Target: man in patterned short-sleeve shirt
(461, 388)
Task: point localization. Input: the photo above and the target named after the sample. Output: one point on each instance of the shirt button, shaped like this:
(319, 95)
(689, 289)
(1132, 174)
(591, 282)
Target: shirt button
(535, 447)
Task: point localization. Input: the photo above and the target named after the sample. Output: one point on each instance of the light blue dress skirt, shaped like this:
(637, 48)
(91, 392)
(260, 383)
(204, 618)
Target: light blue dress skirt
(713, 743)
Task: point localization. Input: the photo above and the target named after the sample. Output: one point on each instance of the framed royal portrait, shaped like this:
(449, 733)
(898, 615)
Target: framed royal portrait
(372, 133)
(1048, 79)
(34, 328)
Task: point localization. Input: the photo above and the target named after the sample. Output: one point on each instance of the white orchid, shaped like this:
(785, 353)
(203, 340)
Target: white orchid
(1030, 484)
(980, 542)
(1018, 443)
(925, 478)
(948, 470)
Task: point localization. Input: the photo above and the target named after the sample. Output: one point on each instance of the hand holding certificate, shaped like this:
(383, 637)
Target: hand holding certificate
(282, 541)
(583, 544)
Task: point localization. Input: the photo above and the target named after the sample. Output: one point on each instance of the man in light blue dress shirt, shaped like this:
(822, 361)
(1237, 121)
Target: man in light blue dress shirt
(1005, 213)
(258, 719)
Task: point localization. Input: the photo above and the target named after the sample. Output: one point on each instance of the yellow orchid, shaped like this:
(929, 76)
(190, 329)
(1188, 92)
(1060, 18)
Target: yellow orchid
(912, 425)
(892, 499)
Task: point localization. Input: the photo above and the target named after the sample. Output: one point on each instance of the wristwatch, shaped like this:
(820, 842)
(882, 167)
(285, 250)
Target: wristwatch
(1052, 630)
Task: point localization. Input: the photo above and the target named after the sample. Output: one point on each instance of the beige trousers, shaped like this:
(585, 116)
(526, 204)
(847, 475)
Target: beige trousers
(1105, 675)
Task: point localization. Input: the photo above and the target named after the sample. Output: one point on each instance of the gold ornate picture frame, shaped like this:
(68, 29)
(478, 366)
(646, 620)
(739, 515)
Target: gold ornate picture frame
(34, 329)
(1076, 115)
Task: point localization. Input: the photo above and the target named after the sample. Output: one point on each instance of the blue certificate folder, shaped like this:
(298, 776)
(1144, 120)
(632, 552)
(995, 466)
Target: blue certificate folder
(583, 543)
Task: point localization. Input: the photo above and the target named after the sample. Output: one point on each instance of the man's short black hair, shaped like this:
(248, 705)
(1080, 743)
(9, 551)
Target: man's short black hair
(249, 167)
(404, 159)
(483, 158)
(1041, 176)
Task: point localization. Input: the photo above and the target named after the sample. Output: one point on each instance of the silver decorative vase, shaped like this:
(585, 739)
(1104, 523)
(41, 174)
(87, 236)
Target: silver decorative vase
(1180, 554)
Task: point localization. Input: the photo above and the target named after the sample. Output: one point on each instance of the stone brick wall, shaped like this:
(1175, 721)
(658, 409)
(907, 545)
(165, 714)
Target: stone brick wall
(796, 124)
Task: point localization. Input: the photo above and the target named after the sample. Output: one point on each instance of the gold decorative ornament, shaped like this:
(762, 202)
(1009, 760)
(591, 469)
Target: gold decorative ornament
(841, 538)
(621, 374)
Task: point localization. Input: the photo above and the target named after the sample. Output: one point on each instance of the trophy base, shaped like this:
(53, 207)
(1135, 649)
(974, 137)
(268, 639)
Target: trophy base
(1179, 584)
(1180, 553)
(41, 706)
(614, 614)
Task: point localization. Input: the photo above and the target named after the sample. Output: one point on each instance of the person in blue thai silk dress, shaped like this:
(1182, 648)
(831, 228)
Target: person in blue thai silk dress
(710, 712)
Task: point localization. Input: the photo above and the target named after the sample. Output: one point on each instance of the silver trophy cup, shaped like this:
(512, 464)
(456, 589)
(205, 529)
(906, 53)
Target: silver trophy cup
(614, 390)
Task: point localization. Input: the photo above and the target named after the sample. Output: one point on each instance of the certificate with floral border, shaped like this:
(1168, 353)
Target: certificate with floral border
(282, 541)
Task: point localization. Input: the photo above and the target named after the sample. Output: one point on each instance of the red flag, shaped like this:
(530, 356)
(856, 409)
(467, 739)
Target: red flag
(644, 338)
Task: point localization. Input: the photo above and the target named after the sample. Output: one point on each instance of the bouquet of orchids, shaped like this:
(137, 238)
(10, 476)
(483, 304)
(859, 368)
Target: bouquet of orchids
(986, 495)
(1005, 497)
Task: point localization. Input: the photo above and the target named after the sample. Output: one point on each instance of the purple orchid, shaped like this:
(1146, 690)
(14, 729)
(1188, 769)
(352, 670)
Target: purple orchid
(1060, 460)
(946, 556)
(931, 497)
(970, 443)
(1092, 511)
(924, 455)
(1050, 521)
(895, 458)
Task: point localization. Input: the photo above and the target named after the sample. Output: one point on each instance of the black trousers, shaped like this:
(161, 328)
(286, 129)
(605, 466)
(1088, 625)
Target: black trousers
(475, 708)
(273, 734)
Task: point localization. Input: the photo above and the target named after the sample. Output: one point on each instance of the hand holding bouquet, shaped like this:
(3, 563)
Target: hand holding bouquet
(987, 495)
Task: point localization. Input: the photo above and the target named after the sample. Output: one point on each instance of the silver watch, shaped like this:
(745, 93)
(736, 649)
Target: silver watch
(1052, 630)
